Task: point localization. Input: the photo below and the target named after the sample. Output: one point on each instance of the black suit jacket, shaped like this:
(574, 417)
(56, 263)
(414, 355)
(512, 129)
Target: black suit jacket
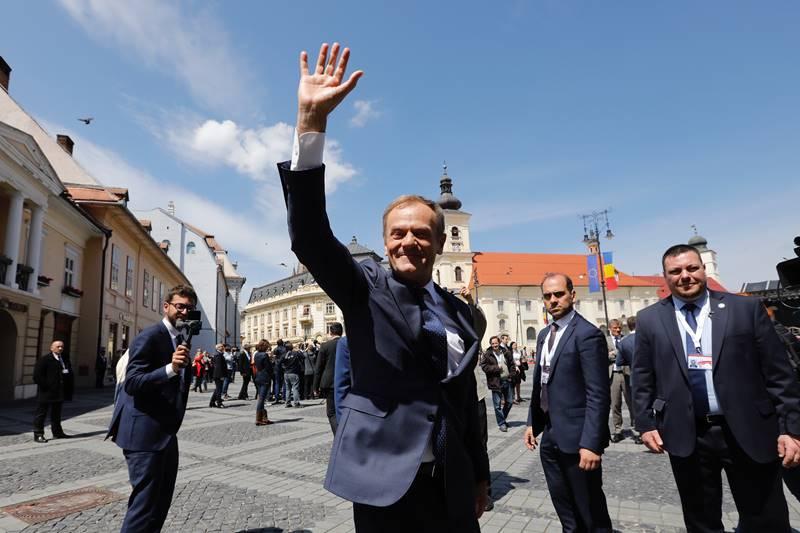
(325, 365)
(389, 413)
(579, 395)
(754, 384)
(48, 375)
(220, 366)
(150, 408)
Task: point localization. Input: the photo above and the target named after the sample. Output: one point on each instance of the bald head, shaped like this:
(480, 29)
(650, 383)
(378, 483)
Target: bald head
(57, 346)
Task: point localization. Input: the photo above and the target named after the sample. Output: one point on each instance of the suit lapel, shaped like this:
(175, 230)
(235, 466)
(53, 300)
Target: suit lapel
(719, 313)
(667, 314)
(565, 337)
(408, 306)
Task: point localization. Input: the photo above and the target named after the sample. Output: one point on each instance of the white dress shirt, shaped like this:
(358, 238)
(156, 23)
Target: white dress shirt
(173, 333)
(562, 322)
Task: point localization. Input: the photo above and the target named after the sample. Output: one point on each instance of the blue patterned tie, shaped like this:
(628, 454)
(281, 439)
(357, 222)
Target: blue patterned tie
(437, 338)
(697, 378)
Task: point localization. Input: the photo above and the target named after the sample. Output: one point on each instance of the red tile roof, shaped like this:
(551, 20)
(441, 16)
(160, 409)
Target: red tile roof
(500, 268)
(97, 194)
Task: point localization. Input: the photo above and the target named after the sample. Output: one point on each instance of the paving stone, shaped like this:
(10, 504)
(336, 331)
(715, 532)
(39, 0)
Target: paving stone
(235, 433)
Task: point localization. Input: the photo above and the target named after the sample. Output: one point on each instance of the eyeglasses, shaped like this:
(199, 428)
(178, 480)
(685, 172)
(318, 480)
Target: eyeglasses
(182, 307)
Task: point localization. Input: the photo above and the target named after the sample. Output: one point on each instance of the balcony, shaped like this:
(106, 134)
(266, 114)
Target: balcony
(23, 276)
(306, 318)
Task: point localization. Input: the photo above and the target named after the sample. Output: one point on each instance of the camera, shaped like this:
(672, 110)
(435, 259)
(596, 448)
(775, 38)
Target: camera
(191, 326)
(789, 270)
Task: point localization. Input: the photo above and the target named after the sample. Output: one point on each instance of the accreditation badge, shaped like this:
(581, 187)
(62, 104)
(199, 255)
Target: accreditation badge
(545, 374)
(700, 361)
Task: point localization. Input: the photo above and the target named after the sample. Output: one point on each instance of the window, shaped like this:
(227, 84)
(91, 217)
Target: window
(306, 310)
(530, 334)
(162, 292)
(269, 316)
(115, 253)
(330, 309)
(599, 305)
(500, 306)
(129, 277)
(261, 319)
(146, 289)
(190, 248)
(69, 271)
(126, 336)
(528, 305)
(502, 325)
(155, 293)
(458, 272)
(454, 232)
(286, 314)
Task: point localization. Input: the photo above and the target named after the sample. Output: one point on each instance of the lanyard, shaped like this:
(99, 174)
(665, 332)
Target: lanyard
(697, 335)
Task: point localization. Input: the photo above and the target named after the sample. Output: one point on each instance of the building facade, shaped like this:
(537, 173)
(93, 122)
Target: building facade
(207, 266)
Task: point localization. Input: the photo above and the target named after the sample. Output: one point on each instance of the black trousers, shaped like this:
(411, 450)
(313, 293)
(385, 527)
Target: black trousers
(330, 408)
(577, 494)
(245, 382)
(41, 414)
(216, 397)
(421, 510)
(308, 384)
(756, 487)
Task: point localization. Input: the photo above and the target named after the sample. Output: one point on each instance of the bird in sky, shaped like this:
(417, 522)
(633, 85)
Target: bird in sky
(87, 120)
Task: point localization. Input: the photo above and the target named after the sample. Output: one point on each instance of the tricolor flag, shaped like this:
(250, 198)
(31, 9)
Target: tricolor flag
(609, 272)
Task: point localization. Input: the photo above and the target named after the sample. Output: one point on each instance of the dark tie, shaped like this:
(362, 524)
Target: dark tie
(697, 378)
(543, 399)
(437, 339)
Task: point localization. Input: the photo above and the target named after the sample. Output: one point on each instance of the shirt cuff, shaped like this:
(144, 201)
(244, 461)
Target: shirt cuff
(307, 150)
(170, 371)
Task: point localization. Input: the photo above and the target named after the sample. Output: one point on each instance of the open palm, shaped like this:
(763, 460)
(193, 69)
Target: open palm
(321, 91)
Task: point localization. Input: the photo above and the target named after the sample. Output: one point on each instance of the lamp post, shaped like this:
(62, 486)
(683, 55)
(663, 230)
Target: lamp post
(591, 238)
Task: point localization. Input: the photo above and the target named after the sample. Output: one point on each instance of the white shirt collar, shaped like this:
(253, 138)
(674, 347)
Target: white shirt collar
(699, 302)
(170, 328)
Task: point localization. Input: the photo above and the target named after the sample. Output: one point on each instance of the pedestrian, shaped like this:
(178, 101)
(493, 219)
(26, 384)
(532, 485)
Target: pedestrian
(149, 412)
(498, 365)
(293, 363)
(326, 370)
(220, 370)
(410, 419)
(569, 408)
(712, 387)
(197, 369)
(309, 359)
(264, 369)
(230, 370)
(516, 355)
(246, 371)
(277, 360)
(624, 358)
(49, 375)
(620, 382)
(100, 366)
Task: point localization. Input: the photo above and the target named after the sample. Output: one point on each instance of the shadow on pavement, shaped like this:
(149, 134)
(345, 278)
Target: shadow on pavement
(503, 483)
(273, 530)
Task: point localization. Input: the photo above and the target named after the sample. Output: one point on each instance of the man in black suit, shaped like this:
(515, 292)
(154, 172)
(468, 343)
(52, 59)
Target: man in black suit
(624, 358)
(246, 371)
(409, 423)
(149, 412)
(49, 374)
(712, 386)
(570, 406)
(325, 371)
(220, 371)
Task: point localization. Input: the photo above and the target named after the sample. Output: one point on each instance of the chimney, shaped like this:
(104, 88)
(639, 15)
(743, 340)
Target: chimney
(171, 208)
(5, 73)
(66, 143)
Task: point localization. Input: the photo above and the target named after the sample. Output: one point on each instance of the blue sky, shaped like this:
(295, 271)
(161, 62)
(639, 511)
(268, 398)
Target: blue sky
(672, 114)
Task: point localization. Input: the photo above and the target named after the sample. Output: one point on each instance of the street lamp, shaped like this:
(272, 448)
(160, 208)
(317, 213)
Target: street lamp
(591, 238)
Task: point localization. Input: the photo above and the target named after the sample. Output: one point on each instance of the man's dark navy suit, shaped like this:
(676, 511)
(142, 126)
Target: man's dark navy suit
(388, 416)
(146, 418)
(579, 401)
(756, 390)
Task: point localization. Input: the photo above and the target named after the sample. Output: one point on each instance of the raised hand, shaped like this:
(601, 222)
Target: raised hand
(319, 92)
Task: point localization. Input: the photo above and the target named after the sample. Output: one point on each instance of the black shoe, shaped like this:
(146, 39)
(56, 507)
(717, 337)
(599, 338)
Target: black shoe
(63, 436)
(616, 437)
(503, 428)
(222, 406)
(39, 438)
(489, 505)
(212, 405)
(638, 440)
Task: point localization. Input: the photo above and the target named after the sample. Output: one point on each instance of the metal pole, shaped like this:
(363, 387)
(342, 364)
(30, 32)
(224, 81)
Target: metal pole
(602, 276)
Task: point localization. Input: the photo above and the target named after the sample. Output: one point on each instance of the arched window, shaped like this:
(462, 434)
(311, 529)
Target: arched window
(502, 324)
(530, 334)
(458, 273)
(454, 232)
(190, 248)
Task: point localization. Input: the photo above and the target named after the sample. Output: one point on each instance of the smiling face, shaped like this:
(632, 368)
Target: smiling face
(411, 242)
(685, 275)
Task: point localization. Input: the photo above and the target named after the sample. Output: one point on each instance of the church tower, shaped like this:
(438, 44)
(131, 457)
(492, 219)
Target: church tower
(453, 268)
(707, 255)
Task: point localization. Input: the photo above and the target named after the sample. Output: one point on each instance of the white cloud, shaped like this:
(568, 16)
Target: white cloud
(192, 47)
(253, 152)
(365, 111)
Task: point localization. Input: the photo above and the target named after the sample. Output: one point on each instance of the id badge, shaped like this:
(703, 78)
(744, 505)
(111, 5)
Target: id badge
(545, 374)
(64, 371)
(700, 362)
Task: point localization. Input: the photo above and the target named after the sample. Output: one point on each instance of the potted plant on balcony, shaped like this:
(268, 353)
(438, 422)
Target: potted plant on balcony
(72, 291)
(43, 281)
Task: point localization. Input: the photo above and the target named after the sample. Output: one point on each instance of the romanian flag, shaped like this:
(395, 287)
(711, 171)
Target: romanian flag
(609, 272)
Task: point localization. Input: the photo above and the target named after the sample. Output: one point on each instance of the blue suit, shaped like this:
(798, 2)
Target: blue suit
(147, 415)
(579, 403)
(341, 376)
(388, 416)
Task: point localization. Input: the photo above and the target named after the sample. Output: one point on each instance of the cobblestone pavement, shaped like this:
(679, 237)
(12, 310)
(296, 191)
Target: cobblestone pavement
(236, 477)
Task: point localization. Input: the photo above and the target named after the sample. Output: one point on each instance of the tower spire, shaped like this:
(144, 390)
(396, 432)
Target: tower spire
(447, 200)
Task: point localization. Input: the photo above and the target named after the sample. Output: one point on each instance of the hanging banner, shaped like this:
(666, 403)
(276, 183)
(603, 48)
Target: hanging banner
(609, 271)
(594, 275)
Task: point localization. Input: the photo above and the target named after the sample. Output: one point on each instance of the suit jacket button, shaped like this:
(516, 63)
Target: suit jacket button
(431, 418)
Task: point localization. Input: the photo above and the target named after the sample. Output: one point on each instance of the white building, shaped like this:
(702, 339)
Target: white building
(209, 269)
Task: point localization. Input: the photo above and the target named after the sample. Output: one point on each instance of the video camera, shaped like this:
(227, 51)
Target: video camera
(789, 270)
(191, 326)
